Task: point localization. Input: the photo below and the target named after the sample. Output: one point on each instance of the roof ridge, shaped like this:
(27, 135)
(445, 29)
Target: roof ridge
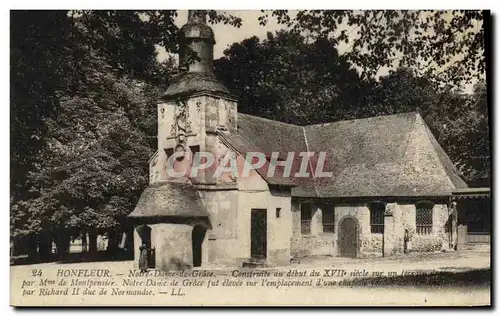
(269, 120)
(365, 118)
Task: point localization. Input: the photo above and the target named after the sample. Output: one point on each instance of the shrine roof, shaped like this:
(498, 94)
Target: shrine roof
(169, 199)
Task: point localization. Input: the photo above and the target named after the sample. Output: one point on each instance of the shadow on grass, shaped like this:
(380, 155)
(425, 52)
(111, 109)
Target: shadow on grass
(479, 277)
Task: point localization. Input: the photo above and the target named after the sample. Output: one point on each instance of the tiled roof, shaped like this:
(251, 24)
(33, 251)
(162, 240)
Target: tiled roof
(195, 82)
(393, 155)
(169, 199)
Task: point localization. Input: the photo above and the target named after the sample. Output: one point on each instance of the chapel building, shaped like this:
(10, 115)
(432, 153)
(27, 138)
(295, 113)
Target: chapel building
(391, 181)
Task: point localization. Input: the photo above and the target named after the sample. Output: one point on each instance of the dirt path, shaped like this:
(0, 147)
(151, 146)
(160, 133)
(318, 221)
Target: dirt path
(452, 261)
(221, 288)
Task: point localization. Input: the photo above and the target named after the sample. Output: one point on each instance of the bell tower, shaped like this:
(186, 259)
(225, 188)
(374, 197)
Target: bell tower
(196, 44)
(195, 107)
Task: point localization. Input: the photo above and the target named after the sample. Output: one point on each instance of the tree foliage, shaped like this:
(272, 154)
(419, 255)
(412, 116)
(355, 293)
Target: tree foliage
(286, 78)
(92, 168)
(447, 45)
(82, 120)
(84, 85)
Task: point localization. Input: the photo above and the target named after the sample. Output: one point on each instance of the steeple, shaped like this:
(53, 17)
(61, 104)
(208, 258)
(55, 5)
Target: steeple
(196, 44)
(197, 16)
(195, 108)
(196, 54)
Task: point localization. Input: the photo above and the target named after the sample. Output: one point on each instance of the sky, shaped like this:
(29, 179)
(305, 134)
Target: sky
(225, 35)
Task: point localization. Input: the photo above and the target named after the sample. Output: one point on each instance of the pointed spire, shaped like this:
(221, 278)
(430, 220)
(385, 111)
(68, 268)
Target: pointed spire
(196, 43)
(197, 16)
(196, 54)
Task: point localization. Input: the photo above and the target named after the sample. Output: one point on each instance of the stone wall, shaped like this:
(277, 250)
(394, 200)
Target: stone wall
(313, 245)
(372, 245)
(223, 233)
(192, 123)
(279, 229)
(439, 239)
(369, 245)
(326, 243)
(172, 243)
(203, 113)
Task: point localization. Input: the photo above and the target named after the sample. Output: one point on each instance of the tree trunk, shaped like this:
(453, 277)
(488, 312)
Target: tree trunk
(113, 240)
(129, 242)
(84, 241)
(45, 246)
(62, 244)
(92, 241)
(31, 247)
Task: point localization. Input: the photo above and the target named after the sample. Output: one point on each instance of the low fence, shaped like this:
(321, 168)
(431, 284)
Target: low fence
(478, 237)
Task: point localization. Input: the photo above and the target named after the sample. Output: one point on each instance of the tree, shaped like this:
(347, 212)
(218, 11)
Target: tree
(55, 75)
(284, 78)
(92, 169)
(447, 46)
(83, 118)
(461, 125)
(41, 71)
(48, 50)
(289, 78)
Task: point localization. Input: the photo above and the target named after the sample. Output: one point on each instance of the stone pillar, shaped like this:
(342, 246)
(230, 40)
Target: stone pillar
(205, 253)
(390, 234)
(453, 226)
(295, 219)
(137, 243)
(454, 233)
(173, 246)
(211, 241)
(461, 236)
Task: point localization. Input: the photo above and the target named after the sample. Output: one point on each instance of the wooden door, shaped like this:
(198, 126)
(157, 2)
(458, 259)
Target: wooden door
(258, 228)
(197, 237)
(348, 238)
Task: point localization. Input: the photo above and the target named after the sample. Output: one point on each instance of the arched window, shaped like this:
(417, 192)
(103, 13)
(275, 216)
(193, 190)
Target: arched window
(377, 210)
(423, 217)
